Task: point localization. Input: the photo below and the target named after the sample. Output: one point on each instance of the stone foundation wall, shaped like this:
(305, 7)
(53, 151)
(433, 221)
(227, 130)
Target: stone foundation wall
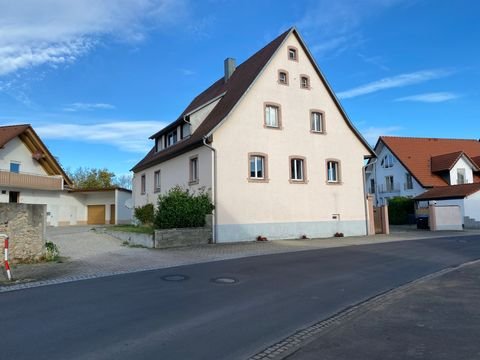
(26, 230)
(167, 238)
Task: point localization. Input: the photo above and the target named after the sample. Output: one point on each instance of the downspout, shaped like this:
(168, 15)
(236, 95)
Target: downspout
(214, 190)
(364, 180)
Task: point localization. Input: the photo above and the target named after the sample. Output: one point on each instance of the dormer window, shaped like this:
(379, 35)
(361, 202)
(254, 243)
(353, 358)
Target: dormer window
(460, 176)
(172, 137)
(292, 53)
(283, 77)
(186, 130)
(305, 82)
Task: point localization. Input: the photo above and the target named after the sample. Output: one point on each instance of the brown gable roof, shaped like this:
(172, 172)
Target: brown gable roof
(7, 133)
(36, 146)
(415, 154)
(449, 192)
(238, 84)
(445, 162)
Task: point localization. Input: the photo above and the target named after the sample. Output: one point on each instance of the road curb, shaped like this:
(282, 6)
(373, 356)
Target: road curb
(291, 344)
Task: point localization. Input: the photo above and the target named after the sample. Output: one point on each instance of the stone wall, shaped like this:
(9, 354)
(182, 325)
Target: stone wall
(136, 239)
(167, 238)
(26, 230)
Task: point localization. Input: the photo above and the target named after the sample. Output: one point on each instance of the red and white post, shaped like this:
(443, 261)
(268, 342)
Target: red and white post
(5, 250)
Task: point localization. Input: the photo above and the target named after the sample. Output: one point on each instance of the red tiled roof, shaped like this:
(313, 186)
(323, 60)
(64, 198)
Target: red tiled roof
(476, 160)
(416, 155)
(7, 133)
(233, 90)
(449, 192)
(445, 162)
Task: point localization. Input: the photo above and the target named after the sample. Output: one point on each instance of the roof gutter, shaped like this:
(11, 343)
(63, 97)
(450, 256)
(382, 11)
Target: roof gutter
(214, 188)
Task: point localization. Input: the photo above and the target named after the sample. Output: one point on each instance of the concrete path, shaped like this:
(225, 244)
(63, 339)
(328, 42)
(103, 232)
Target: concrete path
(436, 319)
(89, 253)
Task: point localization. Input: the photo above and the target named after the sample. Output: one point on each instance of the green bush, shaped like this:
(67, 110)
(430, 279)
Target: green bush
(180, 208)
(145, 214)
(51, 251)
(399, 208)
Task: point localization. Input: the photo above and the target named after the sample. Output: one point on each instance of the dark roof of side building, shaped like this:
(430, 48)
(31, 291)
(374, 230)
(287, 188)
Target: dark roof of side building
(231, 92)
(449, 192)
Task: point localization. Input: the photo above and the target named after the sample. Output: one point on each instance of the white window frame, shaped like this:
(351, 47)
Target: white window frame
(143, 184)
(317, 120)
(269, 110)
(333, 171)
(193, 170)
(156, 181)
(297, 169)
(253, 160)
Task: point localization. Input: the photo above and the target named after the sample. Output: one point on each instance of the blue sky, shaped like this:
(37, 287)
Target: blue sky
(96, 78)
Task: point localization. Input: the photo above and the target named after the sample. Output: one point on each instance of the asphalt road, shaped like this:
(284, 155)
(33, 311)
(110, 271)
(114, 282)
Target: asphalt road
(142, 316)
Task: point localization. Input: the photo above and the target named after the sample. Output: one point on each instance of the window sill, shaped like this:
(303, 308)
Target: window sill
(253, 180)
(306, 88)
(142, 193)
(193, 182)
(318, 132)
(156, 191)
(282, 83)
(298, 181)
(334, 183)
(273, 127)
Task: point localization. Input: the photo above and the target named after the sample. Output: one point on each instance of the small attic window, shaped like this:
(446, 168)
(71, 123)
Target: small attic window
(292, 53)
(283, 77)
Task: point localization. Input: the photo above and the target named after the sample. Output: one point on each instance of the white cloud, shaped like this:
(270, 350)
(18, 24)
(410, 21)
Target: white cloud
(395, 82)
(129, 136)
(78, 106)
(55, 32)
(372, 133)
(434, 97)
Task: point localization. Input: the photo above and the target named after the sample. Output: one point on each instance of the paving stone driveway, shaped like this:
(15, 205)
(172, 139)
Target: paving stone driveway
(88, 253)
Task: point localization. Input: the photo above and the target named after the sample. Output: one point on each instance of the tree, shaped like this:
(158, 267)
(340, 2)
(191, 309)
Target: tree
(91, 178)
(123, 181)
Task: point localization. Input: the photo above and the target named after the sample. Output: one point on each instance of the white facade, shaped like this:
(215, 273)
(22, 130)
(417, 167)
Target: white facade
(64, 207)
(390, 178)
(173, 172)
(463, 166)
(276, 206)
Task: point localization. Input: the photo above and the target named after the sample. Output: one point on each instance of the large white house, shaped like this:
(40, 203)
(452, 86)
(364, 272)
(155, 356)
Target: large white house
(30, 174)
(272, 144)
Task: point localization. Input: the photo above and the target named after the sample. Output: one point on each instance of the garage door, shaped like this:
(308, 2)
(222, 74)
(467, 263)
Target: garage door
(96, 215)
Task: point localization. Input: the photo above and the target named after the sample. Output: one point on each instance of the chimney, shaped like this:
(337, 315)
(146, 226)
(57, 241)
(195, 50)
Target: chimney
(229, 68)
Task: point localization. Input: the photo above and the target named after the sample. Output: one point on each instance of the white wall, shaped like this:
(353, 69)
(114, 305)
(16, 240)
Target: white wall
(398, 171)
(15, 150)
(197, 117)
(63, 208)
(124, 214)
(173, 172)
(461, 164)
(472, 206)
(278, 207)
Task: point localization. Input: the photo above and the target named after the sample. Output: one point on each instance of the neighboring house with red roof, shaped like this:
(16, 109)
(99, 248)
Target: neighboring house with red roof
(426, 169)
(29, 173)
(272, 144)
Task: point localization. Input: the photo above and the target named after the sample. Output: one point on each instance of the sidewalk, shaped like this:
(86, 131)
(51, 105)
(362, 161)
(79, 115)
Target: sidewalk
(434, 319)
(89, 254)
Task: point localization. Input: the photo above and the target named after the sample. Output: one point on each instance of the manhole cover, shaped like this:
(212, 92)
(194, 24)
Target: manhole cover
(225, 280)
(175, 277)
